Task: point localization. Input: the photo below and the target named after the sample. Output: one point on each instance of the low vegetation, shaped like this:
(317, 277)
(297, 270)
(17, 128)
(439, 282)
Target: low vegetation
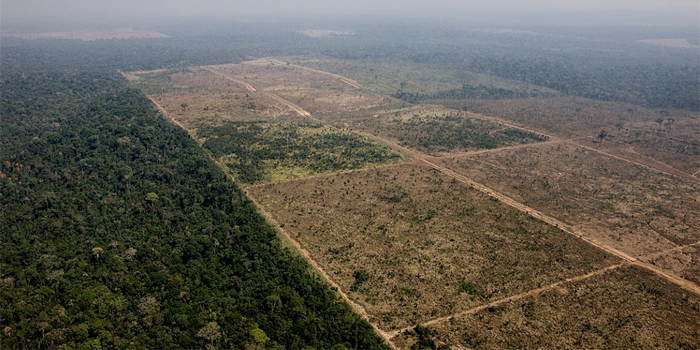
(438, 131)
(627, 206)
(411, 244)
(271, 152)
(628, 308)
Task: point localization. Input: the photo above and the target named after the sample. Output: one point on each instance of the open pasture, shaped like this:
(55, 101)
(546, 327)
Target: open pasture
(410, 244)
(623, 308)
(626, 206)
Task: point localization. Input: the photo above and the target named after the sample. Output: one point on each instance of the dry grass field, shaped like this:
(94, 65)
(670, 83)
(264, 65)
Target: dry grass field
(410, 244)
(568, 116)
(624, 308)
(664, 141)
(632, 208)
(683, 261)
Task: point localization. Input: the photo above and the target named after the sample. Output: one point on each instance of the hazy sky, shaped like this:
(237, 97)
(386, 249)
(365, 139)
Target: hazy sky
(27, 10)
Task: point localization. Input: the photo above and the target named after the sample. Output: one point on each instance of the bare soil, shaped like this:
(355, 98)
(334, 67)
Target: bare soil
(683, 261)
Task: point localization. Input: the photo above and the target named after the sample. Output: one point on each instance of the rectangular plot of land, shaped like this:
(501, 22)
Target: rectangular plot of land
(439, 131)
(197, 96)
(270, 152)
(569, 116)
(626, 206)
(625, 308)
(410, 244)
(666, 141)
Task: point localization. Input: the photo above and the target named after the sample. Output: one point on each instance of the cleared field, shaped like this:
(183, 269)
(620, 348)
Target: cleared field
(197, 97)
(624, 308)
(438, 131)
(568, 116)
(410, 244)
(270, 152)
(390, 77)
(664, 141)
(629, 207)
(253, 92)
(315, 91)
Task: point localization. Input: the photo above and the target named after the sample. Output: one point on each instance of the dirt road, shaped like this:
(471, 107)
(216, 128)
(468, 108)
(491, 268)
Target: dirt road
(339, 77)
(228, 77)
(166, 114)
(660, 167)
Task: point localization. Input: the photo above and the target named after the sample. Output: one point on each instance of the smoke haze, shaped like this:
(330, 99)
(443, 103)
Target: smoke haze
(670, 12)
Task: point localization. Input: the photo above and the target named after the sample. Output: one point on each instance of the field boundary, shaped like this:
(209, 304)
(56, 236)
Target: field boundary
(672, 172)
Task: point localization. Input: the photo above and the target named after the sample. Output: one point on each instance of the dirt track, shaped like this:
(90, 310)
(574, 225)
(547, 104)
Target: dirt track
(339, 77)
(659, 166)
(511, 298)
(226, 76)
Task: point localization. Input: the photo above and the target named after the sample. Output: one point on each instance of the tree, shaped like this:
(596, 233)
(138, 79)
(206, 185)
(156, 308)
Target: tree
(97, 251)
(210, 332)
(603, 133)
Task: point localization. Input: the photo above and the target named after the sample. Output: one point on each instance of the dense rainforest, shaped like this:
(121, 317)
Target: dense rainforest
(117, 231)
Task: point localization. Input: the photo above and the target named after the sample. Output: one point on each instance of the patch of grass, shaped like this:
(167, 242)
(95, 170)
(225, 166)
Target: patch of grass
(439, 131)
(258, 152)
